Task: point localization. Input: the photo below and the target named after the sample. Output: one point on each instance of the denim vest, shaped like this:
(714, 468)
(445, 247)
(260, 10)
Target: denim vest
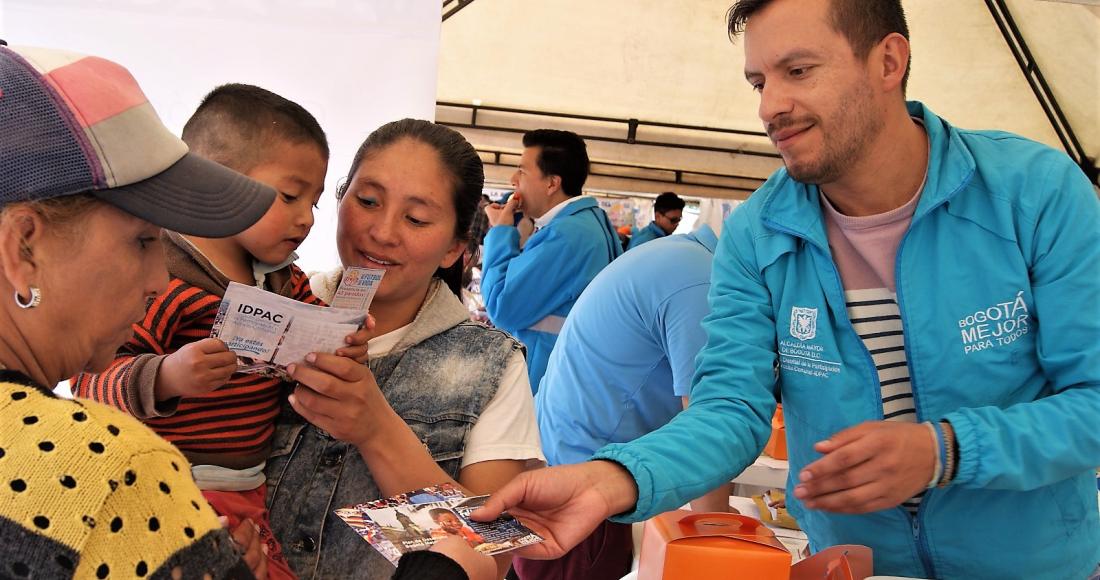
(439, 386)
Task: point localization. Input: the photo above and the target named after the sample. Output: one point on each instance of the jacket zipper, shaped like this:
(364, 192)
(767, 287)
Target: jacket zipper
(921, 539)
(923, 548)
(918, 538)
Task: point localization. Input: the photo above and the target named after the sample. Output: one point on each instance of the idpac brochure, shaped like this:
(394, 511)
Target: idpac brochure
(269, 331)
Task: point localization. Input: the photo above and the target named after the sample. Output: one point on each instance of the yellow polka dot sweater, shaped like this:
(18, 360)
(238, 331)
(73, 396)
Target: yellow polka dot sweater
(88, 492)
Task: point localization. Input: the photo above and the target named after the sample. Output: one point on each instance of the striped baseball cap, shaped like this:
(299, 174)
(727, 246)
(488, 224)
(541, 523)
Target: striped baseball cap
(71, 124)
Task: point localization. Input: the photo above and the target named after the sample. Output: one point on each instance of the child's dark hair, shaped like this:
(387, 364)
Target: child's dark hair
(458, 157)
(237, 124)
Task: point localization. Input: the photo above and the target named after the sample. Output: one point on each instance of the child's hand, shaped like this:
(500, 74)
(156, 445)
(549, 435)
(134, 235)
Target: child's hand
(247, 537)
(195, 369)
(357, 342)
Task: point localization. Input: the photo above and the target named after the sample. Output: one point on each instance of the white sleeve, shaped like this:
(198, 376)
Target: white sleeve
(507, 428)
(324, 284)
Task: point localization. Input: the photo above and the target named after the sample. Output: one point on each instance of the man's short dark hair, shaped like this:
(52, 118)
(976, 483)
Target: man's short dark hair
(863, 22)
(668, 201)
(237, 124)
(561, 153)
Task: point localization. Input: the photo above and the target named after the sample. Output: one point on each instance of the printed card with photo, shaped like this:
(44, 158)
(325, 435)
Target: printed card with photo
(433, 493)
(369, 531)
(500, 535)
(405, 527)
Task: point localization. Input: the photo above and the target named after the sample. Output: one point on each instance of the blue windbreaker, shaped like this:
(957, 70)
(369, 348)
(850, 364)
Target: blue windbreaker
(529, 293)
(646, 234)
(998, 284)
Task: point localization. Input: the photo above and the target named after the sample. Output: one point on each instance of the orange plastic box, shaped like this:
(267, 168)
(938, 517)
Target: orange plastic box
(777, 443)
(844, 562)
(684, 545)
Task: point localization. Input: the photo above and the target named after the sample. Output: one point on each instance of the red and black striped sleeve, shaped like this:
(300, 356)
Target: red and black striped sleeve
(300, 289)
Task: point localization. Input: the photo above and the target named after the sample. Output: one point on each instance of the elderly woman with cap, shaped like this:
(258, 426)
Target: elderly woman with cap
(88, 176)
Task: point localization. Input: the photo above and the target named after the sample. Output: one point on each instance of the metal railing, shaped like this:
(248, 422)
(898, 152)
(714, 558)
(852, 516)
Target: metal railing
(672, 176)
(630, 127)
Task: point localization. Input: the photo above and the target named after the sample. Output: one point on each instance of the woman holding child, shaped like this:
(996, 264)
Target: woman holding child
(435, 379)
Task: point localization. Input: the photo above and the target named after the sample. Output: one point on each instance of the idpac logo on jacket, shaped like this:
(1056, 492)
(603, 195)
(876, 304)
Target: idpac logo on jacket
(805, 357)
(803, 323)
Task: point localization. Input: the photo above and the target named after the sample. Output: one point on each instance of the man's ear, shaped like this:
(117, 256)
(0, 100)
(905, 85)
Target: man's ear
(21, 231)
(555, 184)
(892, 55)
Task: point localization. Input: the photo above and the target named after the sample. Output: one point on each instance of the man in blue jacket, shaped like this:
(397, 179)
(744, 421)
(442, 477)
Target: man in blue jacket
(940, 395)
(529, 292)
(668, 210)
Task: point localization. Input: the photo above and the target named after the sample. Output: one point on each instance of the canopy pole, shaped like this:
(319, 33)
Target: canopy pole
(458, 5)
(1034, 75)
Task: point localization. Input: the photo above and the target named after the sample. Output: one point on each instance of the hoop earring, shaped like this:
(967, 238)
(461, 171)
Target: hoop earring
(35, 299)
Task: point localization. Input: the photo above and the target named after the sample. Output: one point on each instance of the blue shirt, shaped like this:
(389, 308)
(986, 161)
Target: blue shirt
(646, 234)
(627, 352)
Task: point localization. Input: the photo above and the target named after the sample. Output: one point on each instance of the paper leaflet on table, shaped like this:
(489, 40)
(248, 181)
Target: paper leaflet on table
(268, 331)
(773, 509)
(400, 524)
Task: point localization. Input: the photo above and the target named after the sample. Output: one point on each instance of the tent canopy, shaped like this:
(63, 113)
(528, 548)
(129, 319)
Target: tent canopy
(672, 62)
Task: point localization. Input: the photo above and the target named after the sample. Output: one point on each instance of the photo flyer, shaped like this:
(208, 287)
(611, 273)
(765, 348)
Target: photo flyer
(418, 519)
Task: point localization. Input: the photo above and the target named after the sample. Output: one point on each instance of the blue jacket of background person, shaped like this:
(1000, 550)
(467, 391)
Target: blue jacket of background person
(998, 285)
(530, 292)
(646, 234)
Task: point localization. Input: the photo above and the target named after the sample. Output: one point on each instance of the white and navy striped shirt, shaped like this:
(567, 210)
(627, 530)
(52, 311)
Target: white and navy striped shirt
(864, 250)
(876, 319)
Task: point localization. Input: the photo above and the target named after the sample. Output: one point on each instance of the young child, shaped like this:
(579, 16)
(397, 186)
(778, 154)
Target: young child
(450, 525)
(171, 374)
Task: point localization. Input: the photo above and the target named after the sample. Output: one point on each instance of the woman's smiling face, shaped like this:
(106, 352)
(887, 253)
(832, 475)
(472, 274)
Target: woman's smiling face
(398, 214)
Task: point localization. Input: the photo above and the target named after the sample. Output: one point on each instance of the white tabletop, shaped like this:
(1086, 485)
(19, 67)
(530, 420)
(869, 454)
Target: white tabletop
(764, 472)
